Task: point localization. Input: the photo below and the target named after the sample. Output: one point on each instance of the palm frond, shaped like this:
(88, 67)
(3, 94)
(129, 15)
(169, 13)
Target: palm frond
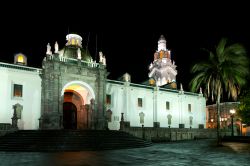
(225, 71)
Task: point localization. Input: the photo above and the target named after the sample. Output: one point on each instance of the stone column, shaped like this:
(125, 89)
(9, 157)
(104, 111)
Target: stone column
(155, 100)
(92, 115)
(122, 124)
(126, 101)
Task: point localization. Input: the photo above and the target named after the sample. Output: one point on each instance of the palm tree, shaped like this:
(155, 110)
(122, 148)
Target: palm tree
(225, 71)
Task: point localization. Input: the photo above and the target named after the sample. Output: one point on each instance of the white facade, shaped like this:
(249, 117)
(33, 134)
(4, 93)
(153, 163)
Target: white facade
(30, 100)
(124, 99)
(150, 106)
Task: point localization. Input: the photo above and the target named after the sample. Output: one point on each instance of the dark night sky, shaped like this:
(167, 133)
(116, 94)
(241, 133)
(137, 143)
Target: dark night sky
(128, 42)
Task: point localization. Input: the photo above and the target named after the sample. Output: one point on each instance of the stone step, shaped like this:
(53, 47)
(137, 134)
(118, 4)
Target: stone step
(69, 140)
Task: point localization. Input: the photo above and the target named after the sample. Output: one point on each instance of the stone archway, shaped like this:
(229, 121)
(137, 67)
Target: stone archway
(79, 94)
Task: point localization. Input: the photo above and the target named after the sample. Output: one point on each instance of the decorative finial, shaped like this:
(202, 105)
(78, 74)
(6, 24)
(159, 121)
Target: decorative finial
(200, 90)
(79, 53)
(48, 52)
(102, 58)
(127, 77)
(56, 47)
(181, 88)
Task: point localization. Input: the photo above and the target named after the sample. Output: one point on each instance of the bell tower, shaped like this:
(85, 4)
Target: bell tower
(162, 69)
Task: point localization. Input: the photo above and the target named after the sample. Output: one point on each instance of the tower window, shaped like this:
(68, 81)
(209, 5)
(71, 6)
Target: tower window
(18, 90)
(20, 59)
(139, 102)
(73, 42)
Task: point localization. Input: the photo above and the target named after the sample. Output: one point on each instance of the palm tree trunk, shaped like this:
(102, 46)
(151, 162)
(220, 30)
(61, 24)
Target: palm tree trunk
(218, 122)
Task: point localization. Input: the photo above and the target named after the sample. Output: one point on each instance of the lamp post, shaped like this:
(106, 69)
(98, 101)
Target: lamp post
(232, 112)
(225, 123)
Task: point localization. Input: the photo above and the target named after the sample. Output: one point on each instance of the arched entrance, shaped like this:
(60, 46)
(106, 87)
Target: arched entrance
(76, 105)
(69, 116)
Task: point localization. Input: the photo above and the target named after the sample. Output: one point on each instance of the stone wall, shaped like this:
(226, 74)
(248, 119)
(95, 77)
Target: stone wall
(6, 128)
(173, 134)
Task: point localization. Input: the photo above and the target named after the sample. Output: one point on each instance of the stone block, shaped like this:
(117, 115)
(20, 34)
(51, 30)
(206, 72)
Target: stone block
(201, 126)
(181, 126)
(157, 124)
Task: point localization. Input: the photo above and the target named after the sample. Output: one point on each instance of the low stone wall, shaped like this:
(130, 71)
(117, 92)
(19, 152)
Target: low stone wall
(5, 128)
(172, 134)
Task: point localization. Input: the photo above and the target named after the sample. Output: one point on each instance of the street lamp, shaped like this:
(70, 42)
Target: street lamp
(232, 112)
(212, 120)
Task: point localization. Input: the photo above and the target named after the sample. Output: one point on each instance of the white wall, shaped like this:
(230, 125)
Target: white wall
(31, 99)
(124, 98)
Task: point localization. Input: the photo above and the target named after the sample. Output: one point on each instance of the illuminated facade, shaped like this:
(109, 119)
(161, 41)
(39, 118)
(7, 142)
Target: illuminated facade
(20, 86)
(154, 105)
(225, 117)
(71, 91)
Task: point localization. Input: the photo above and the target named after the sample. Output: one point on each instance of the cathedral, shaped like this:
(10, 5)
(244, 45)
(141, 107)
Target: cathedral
(72, 91)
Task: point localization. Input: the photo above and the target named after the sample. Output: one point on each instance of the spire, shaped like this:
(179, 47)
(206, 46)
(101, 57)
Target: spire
(200, 90)
(162, 44)
(181, 87)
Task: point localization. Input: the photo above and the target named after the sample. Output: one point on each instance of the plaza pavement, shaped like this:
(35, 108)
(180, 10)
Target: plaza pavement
(187, 153)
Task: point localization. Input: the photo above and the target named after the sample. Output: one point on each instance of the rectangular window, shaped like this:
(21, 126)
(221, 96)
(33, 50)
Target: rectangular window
(167, 105)
(139, 103)
(108, 99)
(18, 90)
(189, 108)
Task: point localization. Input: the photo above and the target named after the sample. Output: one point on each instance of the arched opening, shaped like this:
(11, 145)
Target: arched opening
(76, 103)
(69, 116)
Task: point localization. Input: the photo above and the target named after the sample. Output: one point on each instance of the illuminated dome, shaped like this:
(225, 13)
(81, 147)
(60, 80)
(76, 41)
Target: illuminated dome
(74, 40)
(74, 47)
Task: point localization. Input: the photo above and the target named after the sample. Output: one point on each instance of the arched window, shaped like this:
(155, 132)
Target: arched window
(73, 42)
(141, 114)
(109, 115)
(191, 121)
(20, 59)
(169, 119)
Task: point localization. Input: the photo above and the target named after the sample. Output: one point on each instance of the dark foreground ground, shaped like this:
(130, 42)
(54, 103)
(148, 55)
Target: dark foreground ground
(199, 152)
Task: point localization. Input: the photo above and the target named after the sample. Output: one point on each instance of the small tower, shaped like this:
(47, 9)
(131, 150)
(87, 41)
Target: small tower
(162, 69)
(20, 59)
